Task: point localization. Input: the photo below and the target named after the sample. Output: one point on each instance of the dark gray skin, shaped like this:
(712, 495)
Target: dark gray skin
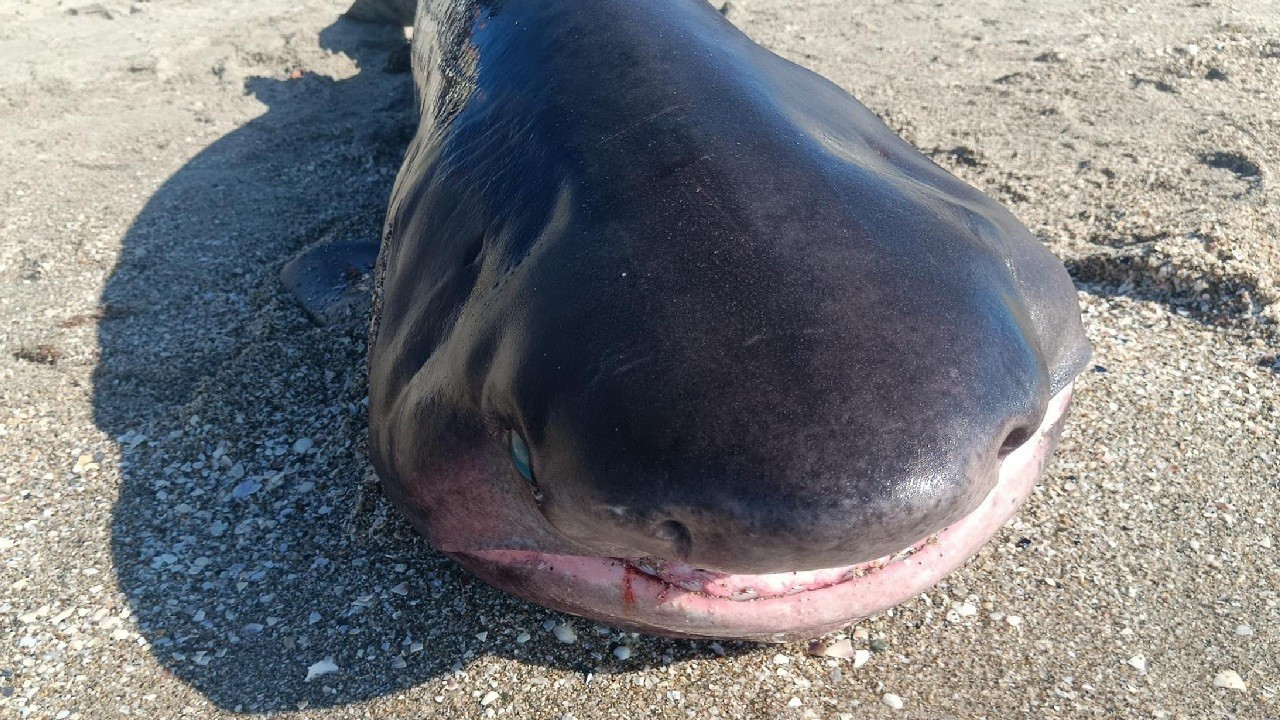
(738, 322)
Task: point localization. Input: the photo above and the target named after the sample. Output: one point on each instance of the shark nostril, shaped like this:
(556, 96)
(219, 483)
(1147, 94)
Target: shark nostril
(674, 532)
(1014, 440)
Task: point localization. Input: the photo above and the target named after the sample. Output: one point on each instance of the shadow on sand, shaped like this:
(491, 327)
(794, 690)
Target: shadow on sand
(1214, 299)
(247, 556)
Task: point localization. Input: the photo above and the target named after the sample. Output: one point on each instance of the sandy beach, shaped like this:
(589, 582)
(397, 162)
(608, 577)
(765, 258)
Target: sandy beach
(189, 526)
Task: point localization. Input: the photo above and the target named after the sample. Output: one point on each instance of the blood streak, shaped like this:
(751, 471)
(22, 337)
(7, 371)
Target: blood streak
(628, 592)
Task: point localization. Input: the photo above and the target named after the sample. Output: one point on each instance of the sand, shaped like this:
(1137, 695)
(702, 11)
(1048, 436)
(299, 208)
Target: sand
(188, 525)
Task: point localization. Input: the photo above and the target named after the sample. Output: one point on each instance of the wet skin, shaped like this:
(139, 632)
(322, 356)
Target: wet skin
(664, 322)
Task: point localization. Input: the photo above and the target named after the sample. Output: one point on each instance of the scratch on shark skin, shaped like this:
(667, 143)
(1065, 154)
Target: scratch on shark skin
(641, 123)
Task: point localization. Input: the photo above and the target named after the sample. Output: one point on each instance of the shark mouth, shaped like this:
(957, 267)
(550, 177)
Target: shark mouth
(676, 600)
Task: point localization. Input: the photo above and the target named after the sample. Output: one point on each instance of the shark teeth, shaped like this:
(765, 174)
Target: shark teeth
(752, 587)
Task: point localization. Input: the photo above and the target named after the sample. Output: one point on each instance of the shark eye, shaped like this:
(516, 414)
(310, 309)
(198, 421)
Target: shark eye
(520, 456)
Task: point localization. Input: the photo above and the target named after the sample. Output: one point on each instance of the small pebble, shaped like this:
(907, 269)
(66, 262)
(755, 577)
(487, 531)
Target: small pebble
(1244, 630)
(565, 634)
(245, 489)
(842, 648)
(794, 702)
(1229, 679)
(523, 638)
(84, 464)
(622, 652)
(324, 667)
(860, 658)
(489, 698)
(302, 445)
(781, 659)
(893, 701)
(1138, 662)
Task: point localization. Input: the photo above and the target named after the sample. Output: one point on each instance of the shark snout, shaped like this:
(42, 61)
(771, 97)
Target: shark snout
(835, 496)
